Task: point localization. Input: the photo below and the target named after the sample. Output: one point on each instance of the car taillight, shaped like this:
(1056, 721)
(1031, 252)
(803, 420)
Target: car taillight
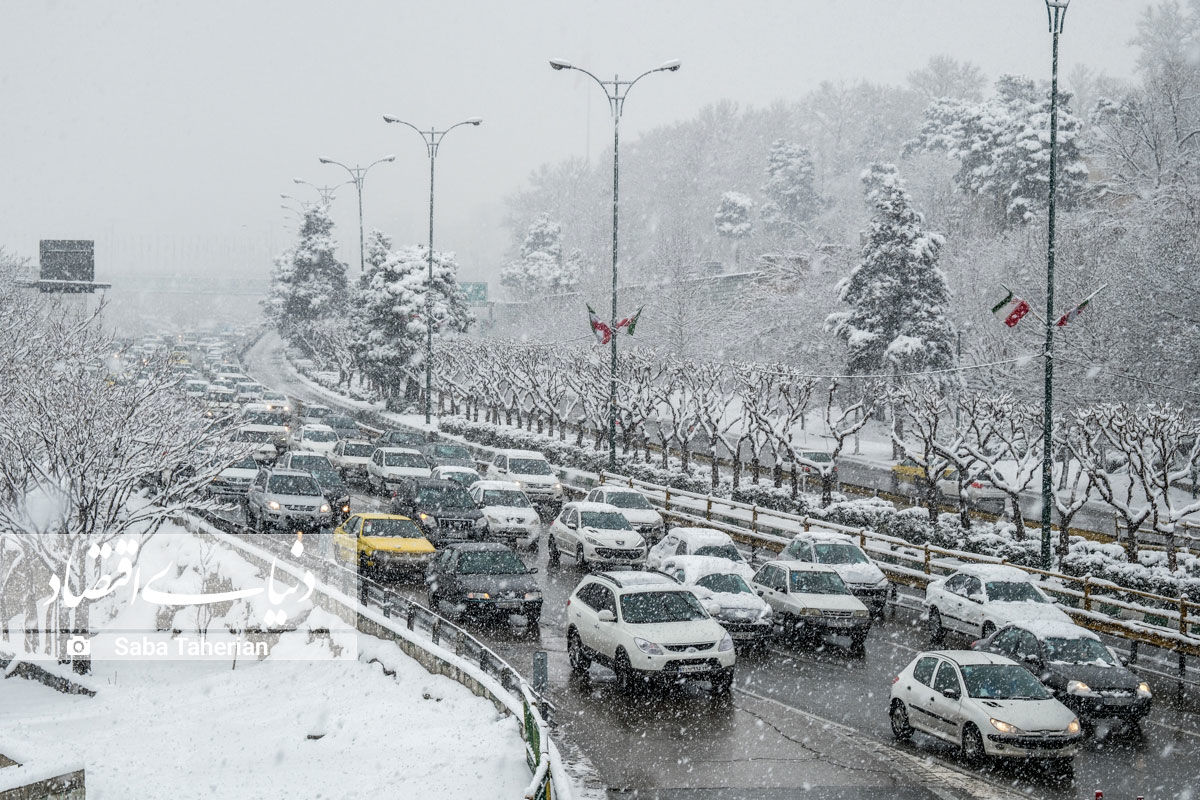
(896, 679)
(976, 485)
(568, 602)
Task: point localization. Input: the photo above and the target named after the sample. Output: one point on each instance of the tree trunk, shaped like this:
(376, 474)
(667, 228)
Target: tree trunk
(716, 470)
(826, 489)
(777, 474)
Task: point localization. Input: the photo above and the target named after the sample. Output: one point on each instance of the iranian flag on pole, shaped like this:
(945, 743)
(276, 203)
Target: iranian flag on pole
(600, 329)
(1011, 309)
(1073, 313)
(629, 323)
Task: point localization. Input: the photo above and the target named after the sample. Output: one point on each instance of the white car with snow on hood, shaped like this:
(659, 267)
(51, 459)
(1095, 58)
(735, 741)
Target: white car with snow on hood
(725, 594)
(811, 601)
(595, 533)
(465, 477)
(980, 598)
(634, 505)
(864, 577)
(699, 542)
(390, 466)
(314, 439)
(532, 471)
(509, 514)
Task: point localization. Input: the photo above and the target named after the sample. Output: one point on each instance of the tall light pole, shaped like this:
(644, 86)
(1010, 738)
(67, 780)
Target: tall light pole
(433, 140)
(357, 174)
(1056, 12)
(326, 192)
(616, 91)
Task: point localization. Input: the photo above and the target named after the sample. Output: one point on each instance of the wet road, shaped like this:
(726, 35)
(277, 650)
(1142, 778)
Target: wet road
(800, 718)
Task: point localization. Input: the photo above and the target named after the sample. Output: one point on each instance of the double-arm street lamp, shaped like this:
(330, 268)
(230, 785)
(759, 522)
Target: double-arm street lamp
(1056, 12)
(433, 140)
(357, 174)
(616, 91)
(326, 192)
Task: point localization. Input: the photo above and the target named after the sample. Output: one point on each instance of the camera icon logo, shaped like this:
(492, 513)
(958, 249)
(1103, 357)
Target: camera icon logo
(79, 646)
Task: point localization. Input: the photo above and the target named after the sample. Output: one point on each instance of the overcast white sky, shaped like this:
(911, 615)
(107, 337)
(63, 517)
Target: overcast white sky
(167, 130)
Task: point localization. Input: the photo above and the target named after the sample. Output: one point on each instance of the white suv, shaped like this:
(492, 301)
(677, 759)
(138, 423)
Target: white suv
(839, 552)
(646, 627)
(390, 466)
(811, 601)
(595, 533)
(636, 508)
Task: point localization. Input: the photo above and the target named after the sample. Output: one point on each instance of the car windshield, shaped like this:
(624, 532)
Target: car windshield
(1083, 650)
(838, 553)
(400, 528)
(726, 582)
(278, 397)
(341, 422)
(628, 500)
(244, 463)
(403, 460)
(292, 484)
(510, 498)
(604, 520)
(253, 436)
(1013, 592)
(403, 439)
(1002, 682)
(310, 463)
(726, 551)
(804, 582)
(461, 478)
(358, 450)
(444, 497)
(451, 451)
(266, 418)
(320, 436)
(317, 412)
(650, 607)
(529, 466)
(490, 562)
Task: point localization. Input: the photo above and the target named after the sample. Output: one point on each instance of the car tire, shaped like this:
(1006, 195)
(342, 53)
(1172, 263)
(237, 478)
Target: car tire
(580, 560)
(972, 746)
(627, 680)
(937, 634)
(898, 715)
(552, 555)
(576, 655)
(723, 684)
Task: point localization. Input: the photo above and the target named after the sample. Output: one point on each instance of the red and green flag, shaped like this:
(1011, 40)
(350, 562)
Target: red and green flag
(600, 329)
(1073, 313)
(629, 323)
(1011, 309)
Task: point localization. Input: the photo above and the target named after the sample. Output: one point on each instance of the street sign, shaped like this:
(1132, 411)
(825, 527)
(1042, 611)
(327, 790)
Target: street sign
(67, 265)
(476, 292)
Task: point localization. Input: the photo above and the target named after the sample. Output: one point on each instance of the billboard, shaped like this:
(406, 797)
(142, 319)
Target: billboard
(67, 265)
(476, 292)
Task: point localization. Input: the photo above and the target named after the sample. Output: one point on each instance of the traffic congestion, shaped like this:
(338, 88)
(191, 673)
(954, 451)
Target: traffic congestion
(651, 607)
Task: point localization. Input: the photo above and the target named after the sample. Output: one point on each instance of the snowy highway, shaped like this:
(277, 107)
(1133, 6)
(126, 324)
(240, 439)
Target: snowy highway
(798, 717)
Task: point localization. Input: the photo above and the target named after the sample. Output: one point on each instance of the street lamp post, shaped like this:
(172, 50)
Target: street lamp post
(1056, 12)
(616, 91)
(433, 140)
(357, 174)
(326, 192)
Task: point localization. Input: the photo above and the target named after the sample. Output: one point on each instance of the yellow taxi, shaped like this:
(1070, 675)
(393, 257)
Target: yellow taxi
(383, 542)
(909, 472)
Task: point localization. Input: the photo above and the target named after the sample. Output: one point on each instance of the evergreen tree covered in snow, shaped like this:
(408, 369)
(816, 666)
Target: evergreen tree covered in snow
(1003, 148)
(791, 197)
(308, 282)
(378, 246)
(733, 216)
(541, 269)
(897, 294)
(390, 313)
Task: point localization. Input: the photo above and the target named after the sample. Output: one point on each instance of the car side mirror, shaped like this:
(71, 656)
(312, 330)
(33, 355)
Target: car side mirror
(760, 592)
(951, 694)
(606, 615)
(572, 526)
(713, 608)
(1032, 660)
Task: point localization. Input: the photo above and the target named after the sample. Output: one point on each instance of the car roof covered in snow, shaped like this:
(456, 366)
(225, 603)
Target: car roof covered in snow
(701, 536)
(995, 572)
(522, 454)
(316, 426)
(408, 450)
(584, 505)
(696, 567)
(497, 485)
(630, 579)
(802, 566)
(1053, 629)
(453, 468)
(825, 536)
(968, 657)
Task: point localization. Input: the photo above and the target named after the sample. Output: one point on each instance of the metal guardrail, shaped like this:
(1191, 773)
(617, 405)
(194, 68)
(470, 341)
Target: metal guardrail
(444, 634)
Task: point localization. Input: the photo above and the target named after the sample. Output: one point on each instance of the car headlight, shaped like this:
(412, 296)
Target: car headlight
(1079, 688)
(860, 612)
(273, 505)
(810, 612)
(533, 595)
(1073, 727)
(324, 508)
(478, 596)
(424, 517)
(647, 647)
(1004, 727)
(1143, 689)
(726, 644)
(346, 508)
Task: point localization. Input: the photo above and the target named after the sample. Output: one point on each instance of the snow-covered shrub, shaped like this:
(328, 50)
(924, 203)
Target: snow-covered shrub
(867, 512)
(779, 499)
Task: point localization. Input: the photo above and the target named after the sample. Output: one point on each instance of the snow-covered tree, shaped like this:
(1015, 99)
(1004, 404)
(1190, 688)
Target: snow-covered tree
(391, 314)
(541, 268)
(308, 282)
(943, 76)
(897, 294)
(791, 195)
(732, 219)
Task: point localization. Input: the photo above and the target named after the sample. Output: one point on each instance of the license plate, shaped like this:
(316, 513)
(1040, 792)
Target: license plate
(742, 635)
(693, 667)
(508, 604)
(839, 623)
(1118, 701)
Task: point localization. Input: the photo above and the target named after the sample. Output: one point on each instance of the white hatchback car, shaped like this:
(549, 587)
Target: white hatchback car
(313, 439)
(725, 594)
(979, 598)
(350, 457)
(636, 508)
(986, 704)
(646, 628)
(465, 477)
(595, 533)
(509, 514)
(390, 466)
(698, 542)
